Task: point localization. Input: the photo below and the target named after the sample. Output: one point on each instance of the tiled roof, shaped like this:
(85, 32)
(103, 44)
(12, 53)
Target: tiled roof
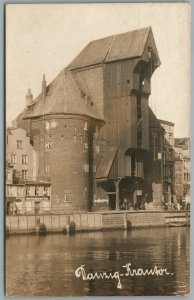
(63, 96)
(117, 47)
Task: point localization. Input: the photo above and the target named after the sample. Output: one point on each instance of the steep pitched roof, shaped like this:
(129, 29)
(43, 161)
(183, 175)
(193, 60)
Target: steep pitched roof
(63, 96)
(117, 47)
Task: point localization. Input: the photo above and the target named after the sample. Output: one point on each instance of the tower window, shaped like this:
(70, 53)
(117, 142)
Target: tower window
(47, 169)
(48, 145)
(86, 168)
(97, 149)
(86, 146)
(67, 198)
(86, 126)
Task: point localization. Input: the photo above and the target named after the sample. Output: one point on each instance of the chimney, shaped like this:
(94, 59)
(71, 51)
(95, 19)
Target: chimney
(29, 97)
(43, 88)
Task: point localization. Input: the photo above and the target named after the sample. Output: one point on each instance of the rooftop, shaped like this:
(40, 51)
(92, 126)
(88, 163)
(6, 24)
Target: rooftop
(113, 48)
(68, 94)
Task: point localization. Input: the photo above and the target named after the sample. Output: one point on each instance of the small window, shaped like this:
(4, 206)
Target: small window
(86, 146)
(47, 169)
(48, 145)
(24, 159)
(24, 174)
(86, 168)
(86, 126)
(37, 191)
(19, 144)
(97, 149)
(13, 158)
(47, 191)
(28, 191)
(67, 198)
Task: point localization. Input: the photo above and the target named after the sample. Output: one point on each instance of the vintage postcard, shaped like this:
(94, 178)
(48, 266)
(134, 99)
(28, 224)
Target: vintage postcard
(97, 140)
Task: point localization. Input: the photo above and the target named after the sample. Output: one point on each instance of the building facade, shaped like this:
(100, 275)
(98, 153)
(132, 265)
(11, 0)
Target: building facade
(20, 156)
(179, 174)
(184, 144)
(28, 198)
(22, 166)
(169, 164)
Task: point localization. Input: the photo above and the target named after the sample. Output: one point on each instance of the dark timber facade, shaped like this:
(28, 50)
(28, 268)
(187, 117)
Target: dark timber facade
(93, 129)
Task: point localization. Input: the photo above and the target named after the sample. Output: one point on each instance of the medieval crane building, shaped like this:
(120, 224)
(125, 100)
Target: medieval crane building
(93, 129)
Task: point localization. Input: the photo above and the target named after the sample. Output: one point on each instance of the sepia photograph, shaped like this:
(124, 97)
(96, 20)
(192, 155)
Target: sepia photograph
(97, 149)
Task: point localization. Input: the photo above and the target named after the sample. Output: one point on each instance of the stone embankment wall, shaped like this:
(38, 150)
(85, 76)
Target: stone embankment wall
(96, 221)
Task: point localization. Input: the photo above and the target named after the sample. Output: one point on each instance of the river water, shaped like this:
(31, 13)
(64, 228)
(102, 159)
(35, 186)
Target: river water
(45, 265)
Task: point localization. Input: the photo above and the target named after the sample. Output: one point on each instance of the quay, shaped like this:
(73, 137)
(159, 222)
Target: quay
(96, 221)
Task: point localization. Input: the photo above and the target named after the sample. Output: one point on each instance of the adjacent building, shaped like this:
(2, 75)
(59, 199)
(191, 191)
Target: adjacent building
(24, 194)
(184, 144)
(179, 174)
(20, 155)
(169, 163)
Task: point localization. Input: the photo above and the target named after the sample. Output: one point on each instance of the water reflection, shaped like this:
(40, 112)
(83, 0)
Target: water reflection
(45, 265)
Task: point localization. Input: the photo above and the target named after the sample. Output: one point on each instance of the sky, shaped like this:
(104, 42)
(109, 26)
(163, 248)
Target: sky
(44, 38)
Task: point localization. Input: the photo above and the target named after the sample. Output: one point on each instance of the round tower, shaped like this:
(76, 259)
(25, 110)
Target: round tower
(63, 120)
(65, 147)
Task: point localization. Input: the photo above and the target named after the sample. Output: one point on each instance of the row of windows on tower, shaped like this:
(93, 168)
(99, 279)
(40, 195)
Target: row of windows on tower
(49, 145)
(54, 124)
(62, 137)
(86, 168)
